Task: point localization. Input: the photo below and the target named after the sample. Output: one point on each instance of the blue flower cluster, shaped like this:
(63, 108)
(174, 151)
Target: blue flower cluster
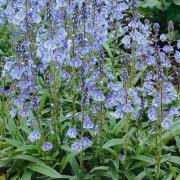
(61, 44)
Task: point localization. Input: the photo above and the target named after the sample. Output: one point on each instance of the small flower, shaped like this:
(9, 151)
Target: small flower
(77, 62)
(173, 111)
(24, 113)
(163, 37)
(87, 124)
(98, 96)
(166, 123)
(126, 41)
(47, 146)
(128, 108)
(29, 122)
(72, 133)
(7, 65)
(122, 156)
(13, 113)
(167, 48)
(17, 102)
(177, 56)
(110, 76)
(152, 115)
(156, 27)
(96, 130)
(16, 73)
(178, 44)
(97, 106)
(34, 135)
(86, 141)
(93, 60)
(77, 146)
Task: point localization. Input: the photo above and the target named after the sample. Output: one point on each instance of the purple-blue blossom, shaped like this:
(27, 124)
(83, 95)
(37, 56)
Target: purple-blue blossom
(98, 96)
(87, 124)
(166, 123)
(47, 146)
(72, 132)
(77, 146)
(34, 135)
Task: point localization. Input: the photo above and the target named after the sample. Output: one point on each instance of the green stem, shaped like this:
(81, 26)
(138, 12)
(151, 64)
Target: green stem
(74, 97)
(101, 132)
(54, 100)
(160, 137)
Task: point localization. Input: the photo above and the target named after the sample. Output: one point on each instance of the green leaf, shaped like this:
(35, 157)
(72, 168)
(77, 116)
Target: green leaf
(170, 177)
(13, 142)
(129, 175)
(174, 159)
(113, 152)
(138, 76)
(107, 48)
(23, 157)
(141, 175)
(177, 138)
(65, 161)
(25, 147)
(12, 128)
(147, 159)
(14, 177)
(113, 142)
(100, 168)
(150, 4)
(46, 170)
(3, 163)
(27, 175)
(74, 165)
(177, 2)
(114, 170)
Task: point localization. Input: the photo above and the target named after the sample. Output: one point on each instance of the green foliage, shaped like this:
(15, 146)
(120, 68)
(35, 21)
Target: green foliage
(162, 11)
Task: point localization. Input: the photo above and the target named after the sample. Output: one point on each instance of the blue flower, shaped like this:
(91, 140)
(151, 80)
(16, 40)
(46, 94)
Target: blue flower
(13, 113)
(17, 102)
(16, 73)
(122, 156)
(34, 136)
(86, 142)
(7, 65)
(29, 122)
(87, 124)
(23, 113)
(177, 56)
(111, 101)
(156, 27)
(173, 111)
(77, 62)
(47, 146)
(96, 130)
(166, 123)
(167, 48)
(152, 114)
(72, 133)
(117, 114)
(77, 146)
(93, 60)
(128, 108)
(98, 96)
(178, 44)
(163, 37)
(126, 40)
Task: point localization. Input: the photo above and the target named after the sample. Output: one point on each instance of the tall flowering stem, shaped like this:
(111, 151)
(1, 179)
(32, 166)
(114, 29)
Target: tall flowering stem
(159, 148)
(101, 113)
(75, 25)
